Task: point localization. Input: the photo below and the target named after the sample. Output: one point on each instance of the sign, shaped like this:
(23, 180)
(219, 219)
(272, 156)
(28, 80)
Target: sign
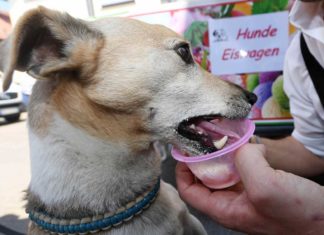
(248, 44)
(243, 42)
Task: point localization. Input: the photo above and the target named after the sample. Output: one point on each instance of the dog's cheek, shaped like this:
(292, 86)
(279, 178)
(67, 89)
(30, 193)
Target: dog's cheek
(121, 98)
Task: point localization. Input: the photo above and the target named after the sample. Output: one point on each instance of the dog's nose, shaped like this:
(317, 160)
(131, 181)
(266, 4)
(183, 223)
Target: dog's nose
(251, 97)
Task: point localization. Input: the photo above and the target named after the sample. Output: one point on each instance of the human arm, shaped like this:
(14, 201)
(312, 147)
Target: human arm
(270, 202)
(290, 155)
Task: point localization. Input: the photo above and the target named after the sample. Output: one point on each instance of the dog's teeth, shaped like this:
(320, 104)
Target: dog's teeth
(219, 144)
(200, 132)
(192, 126)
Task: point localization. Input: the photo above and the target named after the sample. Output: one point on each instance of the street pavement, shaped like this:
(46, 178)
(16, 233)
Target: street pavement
(14, 176)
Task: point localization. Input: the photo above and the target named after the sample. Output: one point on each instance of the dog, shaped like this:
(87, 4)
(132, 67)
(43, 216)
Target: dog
(106, 91)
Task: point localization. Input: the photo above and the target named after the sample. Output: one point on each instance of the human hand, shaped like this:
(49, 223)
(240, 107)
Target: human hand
(268, 202)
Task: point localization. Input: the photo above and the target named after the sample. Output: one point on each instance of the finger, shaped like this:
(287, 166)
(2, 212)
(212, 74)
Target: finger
(218, 204)
(184, 177)
(191, 190)
(252, 166)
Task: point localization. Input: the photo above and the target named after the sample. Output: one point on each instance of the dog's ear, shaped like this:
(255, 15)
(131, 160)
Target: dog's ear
(49, 44)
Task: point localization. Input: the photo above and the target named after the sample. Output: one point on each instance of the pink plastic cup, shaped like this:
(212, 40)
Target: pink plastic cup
(217, 170)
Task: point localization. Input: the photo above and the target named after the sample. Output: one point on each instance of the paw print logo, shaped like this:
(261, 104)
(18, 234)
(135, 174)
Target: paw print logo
(220, 35)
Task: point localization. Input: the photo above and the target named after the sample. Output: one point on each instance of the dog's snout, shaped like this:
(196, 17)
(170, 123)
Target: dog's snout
(251, 97)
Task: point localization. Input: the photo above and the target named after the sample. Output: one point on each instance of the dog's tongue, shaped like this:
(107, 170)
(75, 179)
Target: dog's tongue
(219, 128)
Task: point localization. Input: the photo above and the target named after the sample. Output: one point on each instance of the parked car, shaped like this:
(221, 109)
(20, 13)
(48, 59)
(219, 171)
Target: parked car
(11, 103)
(26, 83)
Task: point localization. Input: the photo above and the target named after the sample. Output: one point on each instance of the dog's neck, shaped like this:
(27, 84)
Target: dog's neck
(75, 174)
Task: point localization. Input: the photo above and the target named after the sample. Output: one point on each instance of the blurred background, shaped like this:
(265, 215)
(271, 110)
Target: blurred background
(210, 25)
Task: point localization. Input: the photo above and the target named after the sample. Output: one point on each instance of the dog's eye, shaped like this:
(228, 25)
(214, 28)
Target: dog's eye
(184, 52)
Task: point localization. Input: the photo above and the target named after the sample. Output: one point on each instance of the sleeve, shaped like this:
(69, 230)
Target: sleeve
(309, 124)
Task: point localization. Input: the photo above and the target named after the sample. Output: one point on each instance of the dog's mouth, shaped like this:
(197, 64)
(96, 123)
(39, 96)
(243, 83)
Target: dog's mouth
(209, 133)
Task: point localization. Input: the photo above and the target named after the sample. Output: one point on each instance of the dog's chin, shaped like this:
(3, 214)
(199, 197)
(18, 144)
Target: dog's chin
(188, 147)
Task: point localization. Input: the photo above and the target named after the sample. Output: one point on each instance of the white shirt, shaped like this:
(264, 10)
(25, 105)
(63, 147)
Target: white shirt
(305, 105)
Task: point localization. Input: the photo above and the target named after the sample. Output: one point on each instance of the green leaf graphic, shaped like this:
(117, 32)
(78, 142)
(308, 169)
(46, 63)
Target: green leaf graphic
(195, 32)
(268, 6)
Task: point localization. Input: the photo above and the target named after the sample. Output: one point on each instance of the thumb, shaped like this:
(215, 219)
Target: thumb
(253, 168)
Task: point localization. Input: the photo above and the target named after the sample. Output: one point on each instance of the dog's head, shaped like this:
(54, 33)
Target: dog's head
(118, 79)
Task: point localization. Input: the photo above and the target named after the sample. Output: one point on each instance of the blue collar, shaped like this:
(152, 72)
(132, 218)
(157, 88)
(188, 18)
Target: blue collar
(96, 223)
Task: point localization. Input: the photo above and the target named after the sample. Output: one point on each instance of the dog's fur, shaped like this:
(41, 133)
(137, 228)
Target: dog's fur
(106, 91)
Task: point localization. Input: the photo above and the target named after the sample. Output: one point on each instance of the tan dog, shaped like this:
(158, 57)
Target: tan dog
(106, 91)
